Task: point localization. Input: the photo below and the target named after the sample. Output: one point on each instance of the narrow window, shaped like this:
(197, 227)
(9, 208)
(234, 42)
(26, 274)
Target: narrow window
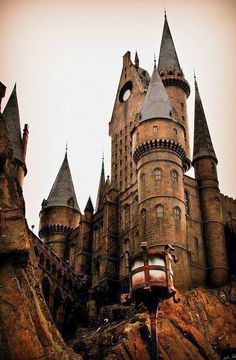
(183, 118)
(217, 201)
(175, 131)
(154, 129)
(160, 211)
(177, 213)
(174, 175)
(142, 179)
(187, 203)
(143, 215)
(126, 219)
(157, 174)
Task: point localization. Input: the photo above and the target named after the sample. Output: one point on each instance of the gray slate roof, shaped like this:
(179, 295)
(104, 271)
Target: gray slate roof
(156, 103)
(168, 56)
(202, 140)
(12, 118)
(62, 192)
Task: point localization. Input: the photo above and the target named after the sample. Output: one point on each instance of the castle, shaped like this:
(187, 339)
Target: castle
(148, 197)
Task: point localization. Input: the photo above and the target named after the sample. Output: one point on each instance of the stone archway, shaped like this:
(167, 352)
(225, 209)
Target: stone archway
(46, 287)
(58, 309)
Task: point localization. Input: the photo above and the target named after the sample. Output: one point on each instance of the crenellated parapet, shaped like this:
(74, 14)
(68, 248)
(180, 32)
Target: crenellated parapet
(174, 77)
(158, 144)
(55, 229)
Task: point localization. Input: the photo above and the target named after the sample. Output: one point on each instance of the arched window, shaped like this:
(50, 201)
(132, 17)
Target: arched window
(54, 270)
(135, 210)
(143, 215)
(160, 211)
(174, 176)
(187, 203)
(41, 259)
(126, 217)
(48, 265)
(217, 201)
(157, 174)
(46, 287)
(177, 213)
(142, 179)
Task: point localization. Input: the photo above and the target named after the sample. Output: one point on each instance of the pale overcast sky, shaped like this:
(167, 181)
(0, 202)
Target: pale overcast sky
(66, 58)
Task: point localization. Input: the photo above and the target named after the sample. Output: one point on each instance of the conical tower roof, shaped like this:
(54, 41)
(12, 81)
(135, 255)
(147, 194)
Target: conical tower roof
(62, 192)
(168, 56)
(157, 103)
(202, 140)
(101, 186)
(12, 118)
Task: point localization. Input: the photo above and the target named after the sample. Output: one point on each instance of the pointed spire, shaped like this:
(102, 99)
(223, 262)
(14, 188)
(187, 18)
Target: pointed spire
(89, 205)
(62, 192)
(168, 56)
(202, 140)
(136, 60)
(156, 103)
(101, 186)
(2, 93)
(12, 118)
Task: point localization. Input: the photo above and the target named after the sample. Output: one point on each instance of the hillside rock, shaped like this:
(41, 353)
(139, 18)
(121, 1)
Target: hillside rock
(200, 326)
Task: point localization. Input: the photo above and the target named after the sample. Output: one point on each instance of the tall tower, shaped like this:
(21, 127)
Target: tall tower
(159, 154)
(129, 99)
(204, 162)
(176, 86)
(60, 213)
(19, 144)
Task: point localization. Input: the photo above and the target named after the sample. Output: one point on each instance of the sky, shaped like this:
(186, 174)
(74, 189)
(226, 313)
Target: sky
(66, 59)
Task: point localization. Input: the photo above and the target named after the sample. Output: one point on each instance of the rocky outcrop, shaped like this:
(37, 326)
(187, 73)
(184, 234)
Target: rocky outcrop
(27, 330)
(200, 326)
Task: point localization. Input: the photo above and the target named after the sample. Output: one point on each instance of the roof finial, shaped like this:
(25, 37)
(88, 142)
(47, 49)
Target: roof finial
(155, 60)
(165, 16)
(195, 80)
(136, 60)
(66, 148)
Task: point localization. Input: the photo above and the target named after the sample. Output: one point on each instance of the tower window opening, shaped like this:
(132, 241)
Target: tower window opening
(187, 203)
(182, 105)
(160, 211)
(177, 213)
(175, 131)
(217, 201)
(126, 217)
(142, 179)
(170, 72)
(175, 176)
(155, 128)
(157, 174)
(183, 118)
(143, 215)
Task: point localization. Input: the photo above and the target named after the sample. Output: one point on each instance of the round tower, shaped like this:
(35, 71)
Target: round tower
(177, 87)
(159, 154)
(60, 213)
(204, 162)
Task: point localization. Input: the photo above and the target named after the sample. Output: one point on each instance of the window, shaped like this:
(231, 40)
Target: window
(142, 179)
(217, 201)
(126, 217)
(175, 131)
(157, 174)
(187, 204)
(155, 129)
(177, 213)
(174, 175)
(143, 215)
(160, 211)
(183, 118)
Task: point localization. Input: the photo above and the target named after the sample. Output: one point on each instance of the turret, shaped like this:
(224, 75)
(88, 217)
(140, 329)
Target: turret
(205, 162)
(159, 154)
(176, 86)
(101, 188)
(60, 213)
(19, 145)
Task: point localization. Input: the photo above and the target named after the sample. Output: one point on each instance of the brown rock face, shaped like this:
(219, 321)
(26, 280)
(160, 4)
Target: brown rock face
(199, 327)
(26, 328)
